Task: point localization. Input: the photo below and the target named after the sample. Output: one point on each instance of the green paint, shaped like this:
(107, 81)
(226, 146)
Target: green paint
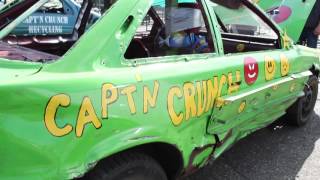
(45, 105)
(299, 14)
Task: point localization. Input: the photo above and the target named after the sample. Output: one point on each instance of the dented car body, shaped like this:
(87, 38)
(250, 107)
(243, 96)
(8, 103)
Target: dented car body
(120, 87)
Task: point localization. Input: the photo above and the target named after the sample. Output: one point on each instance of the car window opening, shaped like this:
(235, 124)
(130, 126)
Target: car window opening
(172, 28)
(242, 30)
(51, 30)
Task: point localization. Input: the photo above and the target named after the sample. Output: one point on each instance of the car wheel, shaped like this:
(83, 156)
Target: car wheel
(128, 166)
(301, 111)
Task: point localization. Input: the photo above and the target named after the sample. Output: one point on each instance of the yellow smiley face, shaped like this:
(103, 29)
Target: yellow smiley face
(242, 107)
(285, 66)
(270, 68)
(240, 47)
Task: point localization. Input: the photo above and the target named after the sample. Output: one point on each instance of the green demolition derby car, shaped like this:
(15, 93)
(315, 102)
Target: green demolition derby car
(150, 91)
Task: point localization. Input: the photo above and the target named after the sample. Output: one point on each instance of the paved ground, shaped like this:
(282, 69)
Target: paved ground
(282, 154)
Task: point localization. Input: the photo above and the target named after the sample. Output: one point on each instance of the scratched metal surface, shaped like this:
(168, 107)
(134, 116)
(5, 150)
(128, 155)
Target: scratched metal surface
(281, 154)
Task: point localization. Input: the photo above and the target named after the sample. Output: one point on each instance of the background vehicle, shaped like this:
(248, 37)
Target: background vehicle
(56, 17)
(115, 103)
(50, 27)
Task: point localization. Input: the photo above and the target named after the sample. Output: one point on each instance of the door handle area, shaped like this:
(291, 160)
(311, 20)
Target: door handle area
(125, 26)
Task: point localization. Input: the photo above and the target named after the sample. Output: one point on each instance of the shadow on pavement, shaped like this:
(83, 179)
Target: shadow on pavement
(270, 153)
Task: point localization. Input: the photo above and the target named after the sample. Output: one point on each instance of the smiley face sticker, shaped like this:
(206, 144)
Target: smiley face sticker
(285, 66)
(242, 107)
(240, 47)
(251, 70)
(283, 13)
(270, 68)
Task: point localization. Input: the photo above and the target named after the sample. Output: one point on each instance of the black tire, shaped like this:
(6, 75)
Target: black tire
(302, 110)
(128, 166)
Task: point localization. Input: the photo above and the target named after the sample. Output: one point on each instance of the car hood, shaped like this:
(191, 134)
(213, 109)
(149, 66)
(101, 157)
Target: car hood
(290, 15)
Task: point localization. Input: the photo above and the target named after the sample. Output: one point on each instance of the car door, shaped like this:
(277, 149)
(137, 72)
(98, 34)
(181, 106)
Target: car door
(167, 64)
(265, 83)
(166, 57)
(291, 15)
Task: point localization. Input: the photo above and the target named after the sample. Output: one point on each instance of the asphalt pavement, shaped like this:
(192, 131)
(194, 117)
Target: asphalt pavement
(278, 152)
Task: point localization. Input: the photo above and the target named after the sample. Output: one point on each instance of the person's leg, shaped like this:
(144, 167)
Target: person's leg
(312, 40)
(303, 37)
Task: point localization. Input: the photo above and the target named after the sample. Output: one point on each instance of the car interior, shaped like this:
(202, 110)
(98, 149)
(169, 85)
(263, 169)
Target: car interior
(244, 31)
(147, 40)
(236, 38)
(234, 43)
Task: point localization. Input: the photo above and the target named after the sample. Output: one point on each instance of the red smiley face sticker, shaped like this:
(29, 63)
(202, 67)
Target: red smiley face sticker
(251, 70)
(280, 14)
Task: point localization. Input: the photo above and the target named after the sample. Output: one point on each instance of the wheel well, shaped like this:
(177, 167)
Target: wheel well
(167, 155)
